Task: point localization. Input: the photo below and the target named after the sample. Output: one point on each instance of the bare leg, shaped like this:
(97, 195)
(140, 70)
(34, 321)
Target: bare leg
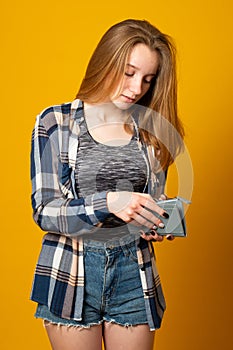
(117, 337)
(74, 338)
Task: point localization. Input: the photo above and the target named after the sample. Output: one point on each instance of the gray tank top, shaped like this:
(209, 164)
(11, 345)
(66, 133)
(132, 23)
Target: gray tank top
(101, 167)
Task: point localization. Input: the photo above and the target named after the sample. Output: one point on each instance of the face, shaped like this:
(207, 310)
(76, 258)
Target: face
(141, 68)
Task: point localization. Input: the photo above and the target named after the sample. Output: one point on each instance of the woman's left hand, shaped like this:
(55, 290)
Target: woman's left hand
(152, 235)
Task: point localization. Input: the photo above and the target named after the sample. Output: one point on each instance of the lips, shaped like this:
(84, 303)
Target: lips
(128, 99)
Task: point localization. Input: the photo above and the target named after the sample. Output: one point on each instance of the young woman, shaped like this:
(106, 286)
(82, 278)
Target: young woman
(98, 164)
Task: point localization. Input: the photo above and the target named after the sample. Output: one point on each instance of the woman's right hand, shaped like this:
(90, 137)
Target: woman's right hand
(132, 207)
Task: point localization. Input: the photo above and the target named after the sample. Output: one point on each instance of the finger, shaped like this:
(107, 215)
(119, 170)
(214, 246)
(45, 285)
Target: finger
(152, 234)
(170, 237)
(152, 237)
(151, 204)
(146, 218)
(142, 221)
(158, 238)
(126, 218)
(147, 237)
(162, 197)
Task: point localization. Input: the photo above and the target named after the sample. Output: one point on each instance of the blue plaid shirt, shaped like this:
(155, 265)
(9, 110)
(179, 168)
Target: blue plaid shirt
(59, 275)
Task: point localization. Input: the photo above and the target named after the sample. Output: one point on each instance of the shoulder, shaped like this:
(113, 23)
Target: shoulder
(60, 115)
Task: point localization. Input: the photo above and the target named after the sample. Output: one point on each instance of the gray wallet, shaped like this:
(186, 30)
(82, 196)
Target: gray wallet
(175, 224)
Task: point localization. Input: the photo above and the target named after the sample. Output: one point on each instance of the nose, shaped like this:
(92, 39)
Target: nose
(136, 86)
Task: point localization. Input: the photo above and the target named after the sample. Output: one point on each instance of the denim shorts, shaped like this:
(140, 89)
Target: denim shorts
(113, 290)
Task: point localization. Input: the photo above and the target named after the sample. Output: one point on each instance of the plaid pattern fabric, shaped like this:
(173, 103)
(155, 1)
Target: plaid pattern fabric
(59, 276)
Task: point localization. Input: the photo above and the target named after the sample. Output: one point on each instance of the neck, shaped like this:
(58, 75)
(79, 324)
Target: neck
(105, 113)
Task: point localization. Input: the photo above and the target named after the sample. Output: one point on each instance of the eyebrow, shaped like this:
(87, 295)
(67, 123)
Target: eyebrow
(132, 66)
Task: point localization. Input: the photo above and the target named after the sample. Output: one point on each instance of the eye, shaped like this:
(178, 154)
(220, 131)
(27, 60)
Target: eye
(148, 80)
(129, 74)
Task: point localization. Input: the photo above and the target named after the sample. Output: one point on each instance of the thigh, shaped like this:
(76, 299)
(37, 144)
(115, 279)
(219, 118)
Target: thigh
(73, 338)
(118, 337)
(125, 303)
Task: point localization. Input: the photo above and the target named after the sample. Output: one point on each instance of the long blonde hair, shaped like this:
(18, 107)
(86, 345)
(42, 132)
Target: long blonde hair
(106, 70)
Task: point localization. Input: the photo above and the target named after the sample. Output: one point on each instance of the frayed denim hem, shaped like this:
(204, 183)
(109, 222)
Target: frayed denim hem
(47, 322)
(126, 324)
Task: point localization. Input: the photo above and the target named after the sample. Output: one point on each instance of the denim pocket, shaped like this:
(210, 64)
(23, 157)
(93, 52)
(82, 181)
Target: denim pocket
(130, 251)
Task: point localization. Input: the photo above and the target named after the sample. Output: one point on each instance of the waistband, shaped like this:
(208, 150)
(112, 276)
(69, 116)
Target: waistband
(129, 240)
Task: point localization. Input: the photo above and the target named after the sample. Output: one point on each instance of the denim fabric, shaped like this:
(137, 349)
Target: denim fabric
(113, 290)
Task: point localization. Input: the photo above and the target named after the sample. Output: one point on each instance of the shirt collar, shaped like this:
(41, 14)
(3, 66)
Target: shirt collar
(76, 109)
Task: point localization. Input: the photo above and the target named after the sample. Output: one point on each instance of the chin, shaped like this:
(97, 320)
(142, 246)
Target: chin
(122, 105)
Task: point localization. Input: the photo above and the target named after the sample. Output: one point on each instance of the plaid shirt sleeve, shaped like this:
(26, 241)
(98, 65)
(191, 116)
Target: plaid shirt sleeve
(55, 208)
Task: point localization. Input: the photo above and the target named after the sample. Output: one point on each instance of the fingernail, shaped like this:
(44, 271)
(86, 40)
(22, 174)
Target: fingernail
(161, 225)
(154, 227)
(166, 215)
(170, 238)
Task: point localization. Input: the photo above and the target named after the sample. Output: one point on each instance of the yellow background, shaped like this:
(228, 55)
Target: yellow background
(45, 46)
